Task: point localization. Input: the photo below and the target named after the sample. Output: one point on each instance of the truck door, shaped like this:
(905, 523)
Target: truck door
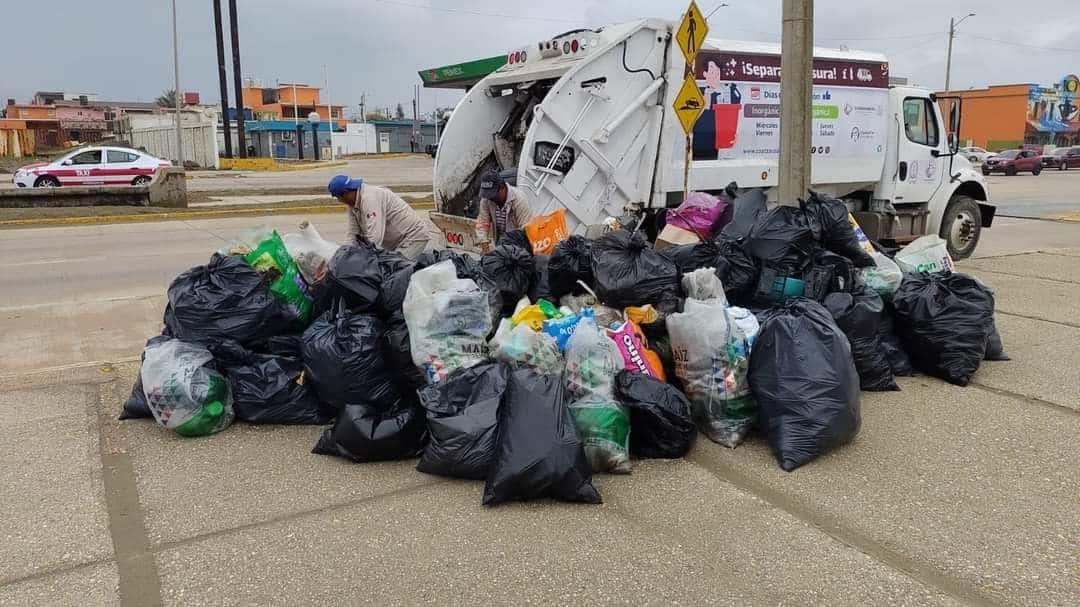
(918, 172)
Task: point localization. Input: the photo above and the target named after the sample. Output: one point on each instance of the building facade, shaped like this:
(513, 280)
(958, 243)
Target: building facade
(397, 136)
(287, 101)
(280, 139)
(1008, 116)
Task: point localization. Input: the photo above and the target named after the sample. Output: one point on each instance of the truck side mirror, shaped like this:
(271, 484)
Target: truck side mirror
(954, 126)
(954, 143)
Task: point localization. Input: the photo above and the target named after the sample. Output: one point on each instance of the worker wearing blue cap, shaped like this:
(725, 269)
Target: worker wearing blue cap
(382, 218)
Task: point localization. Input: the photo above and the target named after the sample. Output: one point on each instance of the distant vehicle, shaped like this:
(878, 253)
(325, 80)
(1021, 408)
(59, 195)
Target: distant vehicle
(1063, 159)
(1012, 162)
(975, 155)
(98, 165)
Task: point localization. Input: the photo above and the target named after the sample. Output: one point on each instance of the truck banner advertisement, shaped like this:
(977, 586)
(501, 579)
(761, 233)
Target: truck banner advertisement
(742, 113)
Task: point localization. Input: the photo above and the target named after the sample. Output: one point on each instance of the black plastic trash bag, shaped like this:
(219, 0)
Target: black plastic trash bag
(741, 276)
(368, 433)
(829, 219)
(540, 285)
(355, 277)
(538, 453)
(858, 315)
(269, 388)
(805, 382)
(661, 419)
(463, 422)
(628, 272)
(944, 321)
(396, 271)
(224, 300)
(343, 358)
(516, 238)
(749, 206)
(890, 345)
(690, 257)
(511, 269)
(570, 262)
(398, 353)
(135, 407)
(781, 237)
(995, 350)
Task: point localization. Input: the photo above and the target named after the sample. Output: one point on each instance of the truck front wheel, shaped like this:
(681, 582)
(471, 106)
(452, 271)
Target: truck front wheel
(961, 226)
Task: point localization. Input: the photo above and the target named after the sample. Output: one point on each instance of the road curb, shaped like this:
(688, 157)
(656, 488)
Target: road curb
(207, 214)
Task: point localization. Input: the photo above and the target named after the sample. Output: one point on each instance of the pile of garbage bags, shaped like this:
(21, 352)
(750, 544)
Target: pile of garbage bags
(535, 372)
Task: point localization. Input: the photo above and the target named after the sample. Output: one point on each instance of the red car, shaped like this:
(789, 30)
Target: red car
(1012, 162)
(1063, 159)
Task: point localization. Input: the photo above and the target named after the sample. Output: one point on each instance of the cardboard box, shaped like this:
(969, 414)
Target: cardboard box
(672, 236)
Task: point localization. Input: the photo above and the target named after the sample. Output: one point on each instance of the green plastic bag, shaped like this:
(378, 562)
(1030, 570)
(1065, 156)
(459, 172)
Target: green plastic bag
(270, 257)
(603, 426)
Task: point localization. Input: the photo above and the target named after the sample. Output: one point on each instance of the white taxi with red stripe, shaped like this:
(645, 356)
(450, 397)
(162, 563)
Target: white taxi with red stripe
(98, 165)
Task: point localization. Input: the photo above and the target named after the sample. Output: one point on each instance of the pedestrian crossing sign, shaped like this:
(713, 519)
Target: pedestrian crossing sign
(691, 32)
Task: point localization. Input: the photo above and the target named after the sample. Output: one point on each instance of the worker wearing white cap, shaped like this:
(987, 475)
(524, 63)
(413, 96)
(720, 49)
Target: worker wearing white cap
(382, 218)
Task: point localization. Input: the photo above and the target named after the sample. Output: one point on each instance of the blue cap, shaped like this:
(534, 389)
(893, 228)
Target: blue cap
(339, 184)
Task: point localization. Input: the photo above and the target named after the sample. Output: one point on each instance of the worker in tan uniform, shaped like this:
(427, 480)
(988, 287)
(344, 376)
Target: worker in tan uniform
(503, 208)
(382, 218)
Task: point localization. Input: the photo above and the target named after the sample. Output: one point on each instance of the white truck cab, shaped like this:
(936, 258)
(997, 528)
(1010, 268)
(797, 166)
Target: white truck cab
(586, 119)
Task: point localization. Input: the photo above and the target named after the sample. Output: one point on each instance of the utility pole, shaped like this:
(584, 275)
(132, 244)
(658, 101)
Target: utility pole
(415, 118)
(948, 56)
(177, 93)
(796, 98)
(238, 83)
(223, 78)
(363, 111)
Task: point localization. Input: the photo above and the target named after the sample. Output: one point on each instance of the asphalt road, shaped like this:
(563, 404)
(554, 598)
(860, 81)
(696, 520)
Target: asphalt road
(1051, 194)
(948, 496)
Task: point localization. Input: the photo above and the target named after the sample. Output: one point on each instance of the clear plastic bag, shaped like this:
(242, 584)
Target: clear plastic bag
(523, 347)
(184, 394)
(311, 251)
(703, 284)
(884, 276)
(747, 322)
(592, 362)
(712, 358)
(448, 319)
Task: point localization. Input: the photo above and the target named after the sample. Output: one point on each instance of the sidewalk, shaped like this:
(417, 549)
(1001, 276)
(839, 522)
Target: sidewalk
(948, 496)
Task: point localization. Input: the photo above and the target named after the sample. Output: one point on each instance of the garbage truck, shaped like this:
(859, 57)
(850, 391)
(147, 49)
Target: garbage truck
(585, 122)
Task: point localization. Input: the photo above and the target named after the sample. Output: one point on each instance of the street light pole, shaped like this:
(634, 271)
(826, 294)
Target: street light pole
(948, 57)
(176, 91)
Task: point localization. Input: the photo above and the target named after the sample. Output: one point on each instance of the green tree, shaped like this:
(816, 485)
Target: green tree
(167, 98)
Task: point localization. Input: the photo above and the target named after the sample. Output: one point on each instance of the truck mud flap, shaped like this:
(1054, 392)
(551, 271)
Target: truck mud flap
(988, 212)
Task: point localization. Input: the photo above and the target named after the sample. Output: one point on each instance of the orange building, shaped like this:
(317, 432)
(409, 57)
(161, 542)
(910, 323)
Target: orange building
(29, 111)
(1007, 116)
(288, 101)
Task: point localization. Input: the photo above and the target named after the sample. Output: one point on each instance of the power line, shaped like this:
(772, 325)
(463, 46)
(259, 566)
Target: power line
(478, 13)
(1032, 46)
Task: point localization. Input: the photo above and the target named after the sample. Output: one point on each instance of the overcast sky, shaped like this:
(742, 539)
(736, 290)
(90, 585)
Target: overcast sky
(122, 49)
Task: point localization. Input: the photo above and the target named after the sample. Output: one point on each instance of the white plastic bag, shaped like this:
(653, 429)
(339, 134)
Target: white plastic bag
(523, 347)
(703, 284)
(926, 255)
(712, 359)
(311, 251)
(448, 319)
(884, 276)
(184, 395)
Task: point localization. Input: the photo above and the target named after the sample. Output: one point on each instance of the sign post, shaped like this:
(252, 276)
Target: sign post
(689, 104)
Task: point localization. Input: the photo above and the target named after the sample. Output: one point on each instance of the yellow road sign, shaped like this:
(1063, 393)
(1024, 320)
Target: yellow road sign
(691, 33)
(689, 104)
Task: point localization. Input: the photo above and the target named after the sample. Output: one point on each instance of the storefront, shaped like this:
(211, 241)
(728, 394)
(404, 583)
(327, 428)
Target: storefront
(1008, 116)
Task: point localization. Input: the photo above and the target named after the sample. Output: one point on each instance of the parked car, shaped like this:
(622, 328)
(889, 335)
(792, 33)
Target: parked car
(1063, 159)
(1012, 162)
(97, 165)
(975, 155)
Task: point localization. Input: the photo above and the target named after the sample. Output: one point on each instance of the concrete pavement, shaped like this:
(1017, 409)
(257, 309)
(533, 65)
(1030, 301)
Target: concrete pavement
(948, 495)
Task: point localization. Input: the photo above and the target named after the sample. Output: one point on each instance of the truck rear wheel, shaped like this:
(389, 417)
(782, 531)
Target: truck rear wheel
(961, 226)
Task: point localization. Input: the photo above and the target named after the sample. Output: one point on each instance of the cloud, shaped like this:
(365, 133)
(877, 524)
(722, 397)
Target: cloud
(123, 49)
